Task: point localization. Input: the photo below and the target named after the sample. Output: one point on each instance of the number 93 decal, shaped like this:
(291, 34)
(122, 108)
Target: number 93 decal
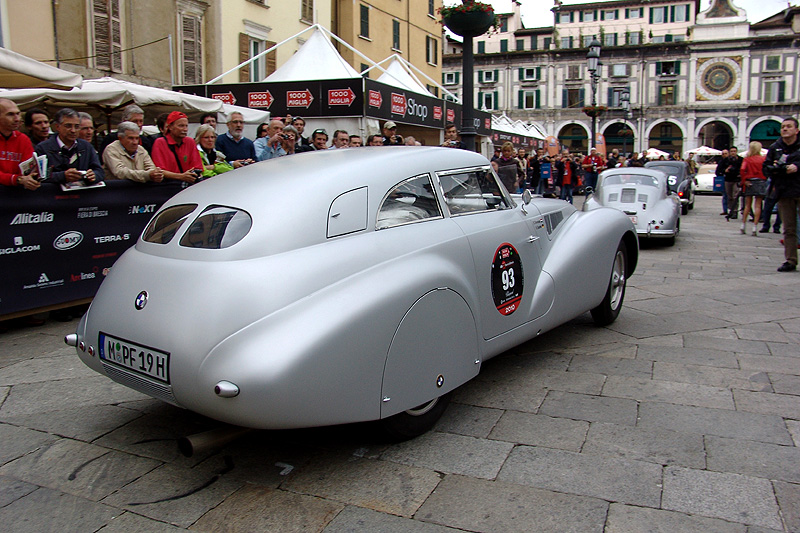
(507, 279)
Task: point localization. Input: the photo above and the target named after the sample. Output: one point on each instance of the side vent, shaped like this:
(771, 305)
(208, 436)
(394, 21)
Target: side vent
(552, 220)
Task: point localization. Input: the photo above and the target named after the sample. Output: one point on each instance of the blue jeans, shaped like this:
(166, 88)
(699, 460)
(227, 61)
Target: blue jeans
(590, 179)
(766, 214)
(566, 193)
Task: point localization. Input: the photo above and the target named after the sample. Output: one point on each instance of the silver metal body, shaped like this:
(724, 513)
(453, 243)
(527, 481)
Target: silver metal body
(642, 194)
(316, 317)
(705, 178)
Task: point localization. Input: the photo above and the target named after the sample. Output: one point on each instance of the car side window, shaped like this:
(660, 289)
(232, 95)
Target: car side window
(165, 224)
(472, 191)
(411, 200)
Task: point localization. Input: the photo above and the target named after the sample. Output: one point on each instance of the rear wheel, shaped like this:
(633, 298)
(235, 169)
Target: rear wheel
(608, 310)
(416, 421)
(685, 209)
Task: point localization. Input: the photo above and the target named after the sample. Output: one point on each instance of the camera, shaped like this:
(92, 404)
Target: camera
(453, 143)
(284, 135)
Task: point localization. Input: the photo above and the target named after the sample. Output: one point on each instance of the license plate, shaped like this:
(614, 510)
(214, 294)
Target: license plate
(634, 219)
(143, 360)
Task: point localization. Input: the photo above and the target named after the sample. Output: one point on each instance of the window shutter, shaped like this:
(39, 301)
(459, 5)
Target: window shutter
(192, 49)
(658, 68)
(570, 42)
(244, 55)
(668, 38)
(458, 78)
(651, 14)
(495, 101)
(533, 42)
(616, 14)
(480, 76)
(520, 98)
(564, 97)
(677, 67)
(572, 16)
(538, 73)
(596, 16)
(480, 100)
(271, 64)
(581, 97)
(307, 10)
(580, 16)
(521, 74)
(671, 14)
(496, 75)
(627, 13)
(537, 97)
(781, 90)
(610, 97)
(107, 35)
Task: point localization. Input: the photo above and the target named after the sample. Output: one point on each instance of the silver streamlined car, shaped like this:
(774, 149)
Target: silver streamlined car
(643, 195)
(345, 286)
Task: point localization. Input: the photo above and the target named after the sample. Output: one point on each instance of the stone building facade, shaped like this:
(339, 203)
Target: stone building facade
(693, 77)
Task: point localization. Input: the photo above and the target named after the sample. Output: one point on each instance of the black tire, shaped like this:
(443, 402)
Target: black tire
(684, 209)
(416, 421)
(608, 310)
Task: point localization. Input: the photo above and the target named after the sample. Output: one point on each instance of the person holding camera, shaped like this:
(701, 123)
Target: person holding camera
(593, 164)
(175, 153)
(15, 147)
(285, 143)
(451, 137)
(390, 136)
(69, 158)
(782, 165)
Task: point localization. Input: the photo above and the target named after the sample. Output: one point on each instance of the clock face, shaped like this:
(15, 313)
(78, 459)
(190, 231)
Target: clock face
(720, 79)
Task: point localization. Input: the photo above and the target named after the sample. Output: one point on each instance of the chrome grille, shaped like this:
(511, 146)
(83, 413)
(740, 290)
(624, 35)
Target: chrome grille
(160, 392)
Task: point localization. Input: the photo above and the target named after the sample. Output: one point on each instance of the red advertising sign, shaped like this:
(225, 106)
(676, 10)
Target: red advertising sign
(259, 99)
(375, 98)
(341, 96)
(399, 104)
(487, 123)
(226, 98)
(437, 112)
(299, 98)
(451, 115)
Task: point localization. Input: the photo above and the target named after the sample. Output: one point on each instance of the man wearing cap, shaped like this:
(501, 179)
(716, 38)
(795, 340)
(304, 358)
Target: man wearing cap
(238, 149)
(69, 158)
(592, 165)
(15, 147)
(390, 136)
(175, 153)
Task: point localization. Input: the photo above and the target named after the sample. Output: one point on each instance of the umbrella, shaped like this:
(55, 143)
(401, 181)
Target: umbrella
(654, 153)
(17, 70)
(703, 150)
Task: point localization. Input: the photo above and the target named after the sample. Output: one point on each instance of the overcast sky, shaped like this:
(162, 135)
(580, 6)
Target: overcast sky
(536, 13)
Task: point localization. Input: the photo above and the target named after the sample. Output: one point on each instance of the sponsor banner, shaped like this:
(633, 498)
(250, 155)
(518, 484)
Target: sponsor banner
(482, 121)
(57, 248)
(321, 98)
(402, 106)
(519, 141)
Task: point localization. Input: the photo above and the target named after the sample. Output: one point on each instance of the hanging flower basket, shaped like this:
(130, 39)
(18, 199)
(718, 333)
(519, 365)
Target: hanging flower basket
(469, 19)
(594, 111)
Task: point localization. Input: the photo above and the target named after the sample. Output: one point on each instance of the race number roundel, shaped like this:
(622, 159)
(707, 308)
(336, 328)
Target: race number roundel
(507, 279)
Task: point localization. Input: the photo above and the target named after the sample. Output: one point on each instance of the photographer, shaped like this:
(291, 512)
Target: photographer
(69, 158)
(782, 165)
(390, 136)
(284, 143)
(451, 137)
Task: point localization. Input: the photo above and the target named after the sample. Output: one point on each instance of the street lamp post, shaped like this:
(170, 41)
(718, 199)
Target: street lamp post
(625, 99)
(593, 60)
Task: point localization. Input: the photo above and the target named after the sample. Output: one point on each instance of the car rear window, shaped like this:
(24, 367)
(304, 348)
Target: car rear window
(165, 224)
(217, 227)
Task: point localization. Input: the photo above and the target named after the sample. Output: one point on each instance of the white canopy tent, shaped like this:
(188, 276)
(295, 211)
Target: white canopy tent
(702, 150)
(19, 71)
(317, 59)
(654, 153)
(110, 95)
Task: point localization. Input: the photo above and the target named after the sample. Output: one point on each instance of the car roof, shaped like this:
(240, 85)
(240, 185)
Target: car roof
(635, 170)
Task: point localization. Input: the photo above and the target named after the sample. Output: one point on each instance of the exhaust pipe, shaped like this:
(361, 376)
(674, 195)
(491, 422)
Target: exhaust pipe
(215, 438)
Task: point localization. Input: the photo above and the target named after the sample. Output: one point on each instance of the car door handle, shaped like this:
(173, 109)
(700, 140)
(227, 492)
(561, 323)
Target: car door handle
(532, 238)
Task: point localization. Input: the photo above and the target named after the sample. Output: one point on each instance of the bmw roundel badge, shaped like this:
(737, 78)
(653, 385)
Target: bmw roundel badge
(141, 300)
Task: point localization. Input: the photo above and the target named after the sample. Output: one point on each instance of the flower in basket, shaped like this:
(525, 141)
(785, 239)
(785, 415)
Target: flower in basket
(594, 111)
(469, 16)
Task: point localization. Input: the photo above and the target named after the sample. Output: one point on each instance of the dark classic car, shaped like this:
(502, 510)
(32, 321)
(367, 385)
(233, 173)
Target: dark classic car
(679, 181)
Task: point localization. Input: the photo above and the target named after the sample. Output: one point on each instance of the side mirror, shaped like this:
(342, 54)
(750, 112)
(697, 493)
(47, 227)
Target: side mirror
(526, 196)
(588, 190)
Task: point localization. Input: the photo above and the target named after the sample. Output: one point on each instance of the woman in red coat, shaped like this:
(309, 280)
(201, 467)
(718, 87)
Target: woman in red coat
(753, 184)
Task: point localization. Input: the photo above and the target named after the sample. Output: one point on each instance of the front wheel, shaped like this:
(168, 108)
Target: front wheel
(608, 310)
(416, 421)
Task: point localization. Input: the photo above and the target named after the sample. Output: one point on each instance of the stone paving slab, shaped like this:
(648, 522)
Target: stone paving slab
(629, 519)
(541, 430)
(783, 405)
(600, 476)
(689, 356)
(651, 390)
(612, 366)
(497, 507)
(45, 369)
(770, 363)
(355, 519)
(13, 489)
(727, 496)
(379, 485)
(263, 509)
(785, 384)
(85, 423)
(653, 445)
(469, 420)
(727, 378)
(718, 422)
(789, 501)
(756, 459)
(78, 468)
(19, 441)
(452, 454)
(589, 408)
(47, 510)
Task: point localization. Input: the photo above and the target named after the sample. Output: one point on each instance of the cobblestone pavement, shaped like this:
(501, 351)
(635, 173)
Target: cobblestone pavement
(683, 415)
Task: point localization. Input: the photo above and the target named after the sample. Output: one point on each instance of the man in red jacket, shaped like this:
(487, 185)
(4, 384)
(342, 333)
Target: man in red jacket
(15, 147)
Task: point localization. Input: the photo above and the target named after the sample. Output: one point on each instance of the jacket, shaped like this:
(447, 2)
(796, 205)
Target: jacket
(82, 157)
(779, 156)
(119, 165)
(14, 150)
